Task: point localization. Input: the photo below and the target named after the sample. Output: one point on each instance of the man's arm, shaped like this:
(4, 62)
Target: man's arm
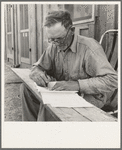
(39, 76)
(102, 77)
(39, 70)
(66, 86)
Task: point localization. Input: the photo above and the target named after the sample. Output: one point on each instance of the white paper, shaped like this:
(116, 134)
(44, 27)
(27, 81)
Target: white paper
(62, 98)
(47, 89)
(51, 84)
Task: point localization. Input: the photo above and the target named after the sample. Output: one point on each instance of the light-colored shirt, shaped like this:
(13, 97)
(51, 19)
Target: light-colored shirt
(85, 62)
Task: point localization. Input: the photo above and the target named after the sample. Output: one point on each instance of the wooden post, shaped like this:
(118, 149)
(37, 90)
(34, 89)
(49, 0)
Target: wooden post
(16, 33)
(19, 44)
(5, 32)
(110, 17)
(32, 33)
(13, 35)
(40, 29)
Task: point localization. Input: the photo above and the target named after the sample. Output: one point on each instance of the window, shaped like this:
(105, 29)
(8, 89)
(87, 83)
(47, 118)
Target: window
(9, 30)
(23, 17)
(24, 31)
(81, 13)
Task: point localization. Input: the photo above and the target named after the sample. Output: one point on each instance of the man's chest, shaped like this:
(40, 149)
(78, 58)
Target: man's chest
(69, 66)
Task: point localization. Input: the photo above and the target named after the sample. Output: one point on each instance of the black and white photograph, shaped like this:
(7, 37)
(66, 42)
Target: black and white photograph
(61, 74)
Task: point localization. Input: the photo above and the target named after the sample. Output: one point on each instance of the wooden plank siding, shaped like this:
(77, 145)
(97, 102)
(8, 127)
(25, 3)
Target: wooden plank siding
(106, 15)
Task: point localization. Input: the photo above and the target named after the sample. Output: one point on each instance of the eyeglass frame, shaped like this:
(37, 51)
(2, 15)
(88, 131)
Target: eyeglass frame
(62, 39)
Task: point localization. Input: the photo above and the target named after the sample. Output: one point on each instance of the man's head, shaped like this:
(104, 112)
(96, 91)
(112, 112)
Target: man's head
(58, 16)
(58, 25)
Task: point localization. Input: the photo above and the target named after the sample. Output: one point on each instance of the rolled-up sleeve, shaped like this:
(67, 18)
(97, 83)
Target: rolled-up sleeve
(102, 77)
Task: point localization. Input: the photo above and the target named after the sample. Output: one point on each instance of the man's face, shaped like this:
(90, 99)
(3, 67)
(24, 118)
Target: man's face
(56, 33)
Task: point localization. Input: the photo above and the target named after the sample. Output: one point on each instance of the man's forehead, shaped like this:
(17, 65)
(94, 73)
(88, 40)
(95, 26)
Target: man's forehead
(56, 29)
(58, 25)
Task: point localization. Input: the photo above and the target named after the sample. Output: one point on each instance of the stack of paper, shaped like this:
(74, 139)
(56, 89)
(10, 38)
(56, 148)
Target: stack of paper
(62, 98)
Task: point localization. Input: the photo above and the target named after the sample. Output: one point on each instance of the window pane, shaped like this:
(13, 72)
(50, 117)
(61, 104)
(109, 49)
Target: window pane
(22, 44)
(9, 40)
(23, 16)
(25, 44)
(26, 16)
(79, 12)
(84, 32)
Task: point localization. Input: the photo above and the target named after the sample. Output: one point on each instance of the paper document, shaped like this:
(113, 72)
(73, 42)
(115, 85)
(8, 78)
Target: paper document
(47, 89)
(62, 98)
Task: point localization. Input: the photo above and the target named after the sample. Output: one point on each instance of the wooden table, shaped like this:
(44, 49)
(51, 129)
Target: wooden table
(89, 114)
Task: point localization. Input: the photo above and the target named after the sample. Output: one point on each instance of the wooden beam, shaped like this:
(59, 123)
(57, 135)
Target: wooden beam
(24, 74)
(95, 114)
(64, 114)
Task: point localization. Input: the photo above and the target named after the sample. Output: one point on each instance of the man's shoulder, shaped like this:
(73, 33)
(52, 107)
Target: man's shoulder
(88, 42)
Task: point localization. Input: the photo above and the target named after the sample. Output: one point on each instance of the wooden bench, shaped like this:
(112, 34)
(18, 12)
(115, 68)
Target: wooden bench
(90, 114)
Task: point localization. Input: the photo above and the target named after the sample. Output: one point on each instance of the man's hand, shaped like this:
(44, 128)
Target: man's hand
(39, 76)
(66, 85)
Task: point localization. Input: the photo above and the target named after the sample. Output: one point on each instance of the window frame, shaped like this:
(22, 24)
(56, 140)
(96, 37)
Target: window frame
(9, 55)
(23, 59)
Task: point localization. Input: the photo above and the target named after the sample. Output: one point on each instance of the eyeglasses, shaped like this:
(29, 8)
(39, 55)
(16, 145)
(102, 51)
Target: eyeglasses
(59, 40)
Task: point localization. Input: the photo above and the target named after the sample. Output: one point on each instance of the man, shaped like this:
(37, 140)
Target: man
(76, 62)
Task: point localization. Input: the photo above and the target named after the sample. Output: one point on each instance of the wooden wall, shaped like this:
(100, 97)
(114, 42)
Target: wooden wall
(39, 31)
(46, 9)
(106, 17)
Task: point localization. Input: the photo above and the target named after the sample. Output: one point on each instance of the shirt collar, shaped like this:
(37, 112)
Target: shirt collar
(74, 44)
